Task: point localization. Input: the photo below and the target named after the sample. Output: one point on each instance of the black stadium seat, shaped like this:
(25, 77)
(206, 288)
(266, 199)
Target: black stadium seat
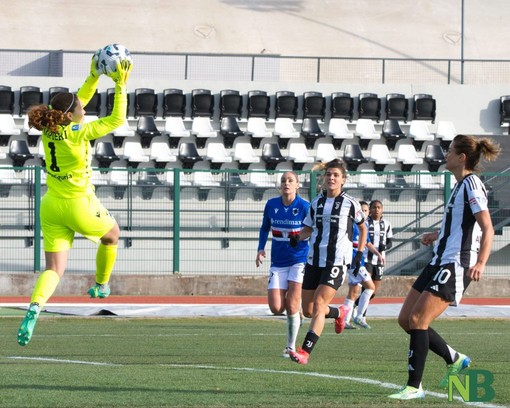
(202, 103)
(231, 103)
(286, 104)
(369, 106)
(424, 107)
(259, 104)
(342, 105)
(6, 99)
(397, 107)
(146, 102)
(314, 105)
(28, 96)
(174, 103)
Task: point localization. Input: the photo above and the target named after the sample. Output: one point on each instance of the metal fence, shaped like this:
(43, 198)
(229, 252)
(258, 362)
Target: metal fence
(267, 68)
(171, 224)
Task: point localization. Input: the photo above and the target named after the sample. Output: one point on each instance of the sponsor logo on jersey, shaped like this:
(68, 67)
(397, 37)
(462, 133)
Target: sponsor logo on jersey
(75, 128)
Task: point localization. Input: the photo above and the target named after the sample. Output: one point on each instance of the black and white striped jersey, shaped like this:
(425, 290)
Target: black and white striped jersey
(460, 234)
(379, 232)
(332, 222)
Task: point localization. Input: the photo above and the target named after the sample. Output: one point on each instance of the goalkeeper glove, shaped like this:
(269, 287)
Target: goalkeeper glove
(121, 75)
(94, 65)
(293, 240)
(357, 263)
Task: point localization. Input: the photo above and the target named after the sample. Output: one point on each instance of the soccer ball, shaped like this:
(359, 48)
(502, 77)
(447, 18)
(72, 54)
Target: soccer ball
(108, 56)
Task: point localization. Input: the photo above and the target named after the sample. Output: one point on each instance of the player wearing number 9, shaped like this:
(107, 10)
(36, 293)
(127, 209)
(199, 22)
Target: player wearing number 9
(329, 225)
(70, 205)
(461, 251)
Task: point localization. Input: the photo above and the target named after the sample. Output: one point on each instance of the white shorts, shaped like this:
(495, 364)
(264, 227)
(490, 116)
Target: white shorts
(363, 276)
(279, 277)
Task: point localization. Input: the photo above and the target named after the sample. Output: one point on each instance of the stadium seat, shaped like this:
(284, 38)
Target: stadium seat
(188, 155)
(504, 110)
(426, 183)
(369, 106)
(244, 154)
(396, 183)
(174, 103)
(32, 133)
(392, 132)
(445, 133)
(110, 100)
(54, 90)
(286, 105)
(148, 181)
(397, 107)
(7, 128)
(217, 154)
(256, 128)
(119, 179)
(365, 130)
(19, 152)
(311, 131)
(93, 108)
(419, 133)
(6, 100)
(342, 105)
(434, 157)
(261, 182)
(201, 127)
(146, 102)
(8, 179)
(105, 154)
(202, 103)
(339, 131)
(232, 184)
(205, 181)
(298, 155)
(147, 129)
(325, 152)
(370, 181)
(314, 105)
(161, 154)
(353, 157)
(380, 156)
(175, 129)
(133, 153)
(28, 96)
(407, 157)
(272, 155)
(259, 104)
(284, 129)
(229, 129)
(121, 133)
(231, 104)
(424, 107)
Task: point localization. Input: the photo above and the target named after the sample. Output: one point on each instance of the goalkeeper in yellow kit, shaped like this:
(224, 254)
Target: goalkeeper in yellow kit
(70, 205)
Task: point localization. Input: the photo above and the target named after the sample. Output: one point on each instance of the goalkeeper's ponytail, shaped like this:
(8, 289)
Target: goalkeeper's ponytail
(51, 117)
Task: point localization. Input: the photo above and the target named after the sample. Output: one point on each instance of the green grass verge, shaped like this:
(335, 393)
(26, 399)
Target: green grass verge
(228, 362)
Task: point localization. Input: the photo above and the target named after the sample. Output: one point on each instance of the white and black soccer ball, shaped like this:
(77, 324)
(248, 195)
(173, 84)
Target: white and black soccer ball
(108, 56)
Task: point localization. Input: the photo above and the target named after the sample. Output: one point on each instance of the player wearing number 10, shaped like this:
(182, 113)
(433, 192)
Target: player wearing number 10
(70, 205)
(461, 251)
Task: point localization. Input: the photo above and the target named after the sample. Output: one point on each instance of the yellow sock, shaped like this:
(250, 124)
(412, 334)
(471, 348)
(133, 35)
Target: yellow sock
(44, 287)
(105, 259)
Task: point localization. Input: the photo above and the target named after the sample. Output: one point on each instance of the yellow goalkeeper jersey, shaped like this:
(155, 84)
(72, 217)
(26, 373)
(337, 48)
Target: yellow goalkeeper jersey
(68, 153)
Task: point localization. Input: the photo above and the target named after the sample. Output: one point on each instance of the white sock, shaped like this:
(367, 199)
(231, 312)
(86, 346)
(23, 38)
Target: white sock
(350, 304)
(293, 323)
(364, 300)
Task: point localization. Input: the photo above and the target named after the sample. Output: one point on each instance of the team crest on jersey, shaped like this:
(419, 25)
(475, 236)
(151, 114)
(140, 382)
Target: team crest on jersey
(75, 128)
(295, 211)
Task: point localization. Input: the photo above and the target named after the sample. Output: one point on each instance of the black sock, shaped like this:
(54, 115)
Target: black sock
(418, 350)
(311, 340)
(333, 313)
(439, 346)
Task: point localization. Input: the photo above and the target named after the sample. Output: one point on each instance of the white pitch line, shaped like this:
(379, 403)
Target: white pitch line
(334, 377)
(270, 371)
(56, 360)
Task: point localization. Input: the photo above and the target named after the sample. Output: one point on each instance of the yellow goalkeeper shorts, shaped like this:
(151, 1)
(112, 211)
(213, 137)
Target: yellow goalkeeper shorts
(61, 218)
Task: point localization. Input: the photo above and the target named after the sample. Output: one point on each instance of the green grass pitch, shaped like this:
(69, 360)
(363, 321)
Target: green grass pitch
(229, 362)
